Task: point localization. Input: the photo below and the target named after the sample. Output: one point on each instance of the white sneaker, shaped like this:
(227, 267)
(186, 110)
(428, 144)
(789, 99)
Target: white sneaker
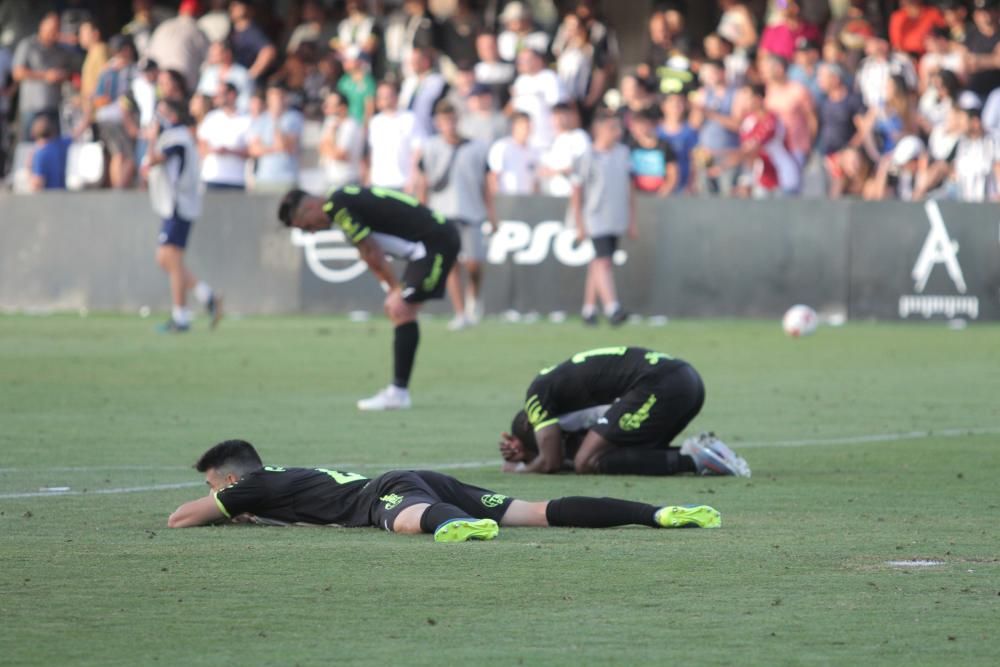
(473, 310)
(458, 323)
(390, 398)
(712, 456)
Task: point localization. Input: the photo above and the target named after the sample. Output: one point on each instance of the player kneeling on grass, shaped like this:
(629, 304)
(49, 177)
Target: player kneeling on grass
(381, 222)
(244, 489)
(615, 410)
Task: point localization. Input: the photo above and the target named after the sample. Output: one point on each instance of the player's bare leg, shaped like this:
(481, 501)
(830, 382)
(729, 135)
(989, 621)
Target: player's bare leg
(473, 303)
(606, 291)
(455, 294)
(170, 258)
(589, 311)
(593, 447)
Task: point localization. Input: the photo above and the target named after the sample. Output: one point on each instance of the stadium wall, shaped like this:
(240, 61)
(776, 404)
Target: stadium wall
(694, 258)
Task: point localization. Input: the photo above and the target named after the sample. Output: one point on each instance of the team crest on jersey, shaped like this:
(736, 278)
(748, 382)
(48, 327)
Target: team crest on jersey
(392, 500)
(493, 499)
(630, 421)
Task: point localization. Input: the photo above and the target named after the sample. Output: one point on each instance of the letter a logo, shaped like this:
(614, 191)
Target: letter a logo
(938, 249)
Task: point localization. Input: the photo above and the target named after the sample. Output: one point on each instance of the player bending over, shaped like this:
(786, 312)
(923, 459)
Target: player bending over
(243, 489)
(615, 410)
(381, 222)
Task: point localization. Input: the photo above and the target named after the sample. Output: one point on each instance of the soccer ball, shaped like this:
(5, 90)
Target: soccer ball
(799, 321)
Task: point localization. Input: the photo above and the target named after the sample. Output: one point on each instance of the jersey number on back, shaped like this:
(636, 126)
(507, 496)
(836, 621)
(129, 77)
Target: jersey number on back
(342, 477)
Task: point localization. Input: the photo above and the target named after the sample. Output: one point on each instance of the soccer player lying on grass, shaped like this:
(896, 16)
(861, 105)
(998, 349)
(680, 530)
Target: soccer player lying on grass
(243, 489)
(381, 222)
(615, 410)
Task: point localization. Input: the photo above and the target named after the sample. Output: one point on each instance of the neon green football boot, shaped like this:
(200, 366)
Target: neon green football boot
(463, 530)
(688, 516)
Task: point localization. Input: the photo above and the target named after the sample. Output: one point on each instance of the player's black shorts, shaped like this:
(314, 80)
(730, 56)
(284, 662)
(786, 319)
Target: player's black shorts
(655, 410)
(604, 246)
(395, 491)
(425, 278)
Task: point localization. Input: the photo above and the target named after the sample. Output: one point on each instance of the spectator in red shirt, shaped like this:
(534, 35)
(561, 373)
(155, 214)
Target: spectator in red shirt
(780, 37)
(771, 170)
(911, 23)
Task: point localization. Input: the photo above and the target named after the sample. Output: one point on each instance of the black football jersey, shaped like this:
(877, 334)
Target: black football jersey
(360, 212)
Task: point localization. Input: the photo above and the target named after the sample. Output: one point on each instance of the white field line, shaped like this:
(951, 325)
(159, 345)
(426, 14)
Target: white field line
(467, 465)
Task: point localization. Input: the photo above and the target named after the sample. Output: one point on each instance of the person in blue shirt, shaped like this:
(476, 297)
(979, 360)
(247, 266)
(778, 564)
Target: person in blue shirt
(48, 162)
(680, 135)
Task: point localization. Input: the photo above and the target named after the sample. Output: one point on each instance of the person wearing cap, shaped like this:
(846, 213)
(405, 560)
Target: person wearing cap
(357, 84)
(910, 24)
(178, 44)
(982, 41)
(221, 67)
(780, 37)
(976, 173)
(535, 91)
(451, 180)
(519, 32)
(482, 120)
(896, 177)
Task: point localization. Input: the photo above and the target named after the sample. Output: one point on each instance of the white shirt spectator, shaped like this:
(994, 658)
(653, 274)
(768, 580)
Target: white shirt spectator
(874, 74)
(237, 74)
(178, 44)
(281, 168)
(509, 43)
(219, 129)
(574, 68)
(144, 92)
(566, 150)
(991, 114)
(216, 25)
(535, 95)
(975, 160)
(390, 147)
(350, 137)
(514, 165)
(419, 95)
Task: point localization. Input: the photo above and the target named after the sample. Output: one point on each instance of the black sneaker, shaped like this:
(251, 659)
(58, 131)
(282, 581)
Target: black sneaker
(214, 308)
(618, 318)
(590, 320)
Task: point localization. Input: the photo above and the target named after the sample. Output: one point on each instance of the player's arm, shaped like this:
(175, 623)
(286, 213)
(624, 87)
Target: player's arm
(201, 512)
(550, 451)
(373, 255)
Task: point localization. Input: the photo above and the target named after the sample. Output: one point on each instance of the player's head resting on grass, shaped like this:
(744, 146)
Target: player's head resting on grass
(227, 462)
(300, 209)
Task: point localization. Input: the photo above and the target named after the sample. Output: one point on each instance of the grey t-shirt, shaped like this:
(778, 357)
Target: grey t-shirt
(37, 95)
(457, 194)
(606, 179)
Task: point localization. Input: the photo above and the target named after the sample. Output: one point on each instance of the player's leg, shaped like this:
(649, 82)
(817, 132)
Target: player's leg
(589, 310)
(604, 278)
(592, 449)
(409, 504)
(473, 256)
(455, 292)
(587, 512)
(170, 257)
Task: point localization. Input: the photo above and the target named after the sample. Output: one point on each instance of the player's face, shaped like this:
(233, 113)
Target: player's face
(310, 217)
(216, 481)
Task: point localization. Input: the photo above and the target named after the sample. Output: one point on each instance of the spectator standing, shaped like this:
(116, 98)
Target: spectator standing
(513, 161)
(603, 48)
(421, 90)
(313, 28)
(223, 142)
(462, 81)
(568, 147)
(391, 141)
(735, 63)
(783, 34)
(713, 115)
(894, 119)
(535, 91)
(659, 48)
(482, 121)
(40, 67)
(910, 25)
(935, 105)
(140, 28)
(97, 56)
(48, 159)
(172, 169)
(458, 33)
(273, 140)
(358, 30)
(519, 32)
(251, 47)
(178, 44)
(221, 67)
(143, 91)
(575, 63)
(941, 54)
(773, 170)
(491, 70)
(680, 135)
(977, 157)
(452, 181)
(876, 69)
(341, 143)
(215, 23)
(603, 209)
(357, 85)
(793, 105)
(414, 27)
(652, 159)
(850, 32)
(982, 41)
(991, 113)
(109, 106)
(805, 69)
(841, 113)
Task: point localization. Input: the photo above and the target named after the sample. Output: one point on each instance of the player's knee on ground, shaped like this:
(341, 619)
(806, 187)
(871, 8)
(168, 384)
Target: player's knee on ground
(586, 465)
(407, 522)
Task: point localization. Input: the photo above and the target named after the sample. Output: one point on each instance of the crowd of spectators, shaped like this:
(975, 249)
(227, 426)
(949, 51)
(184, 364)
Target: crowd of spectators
(850, 98)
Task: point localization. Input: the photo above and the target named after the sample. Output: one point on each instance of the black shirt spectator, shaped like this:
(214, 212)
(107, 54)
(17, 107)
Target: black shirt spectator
(458, 34)
(838, 111)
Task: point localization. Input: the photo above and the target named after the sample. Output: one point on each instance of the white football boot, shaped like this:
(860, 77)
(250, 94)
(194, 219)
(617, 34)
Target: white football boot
(390, 398)
(712, 456)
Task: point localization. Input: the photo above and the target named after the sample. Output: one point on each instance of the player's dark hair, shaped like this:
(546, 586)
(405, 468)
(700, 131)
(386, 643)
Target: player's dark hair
(290, 206)
(521, 429)
(232, 455)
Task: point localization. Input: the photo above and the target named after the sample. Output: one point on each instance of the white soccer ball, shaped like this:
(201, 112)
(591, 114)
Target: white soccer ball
(800, 320)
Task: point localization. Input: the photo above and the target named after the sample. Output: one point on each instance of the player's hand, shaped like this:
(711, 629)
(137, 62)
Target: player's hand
(511, 466)
(511, 448)
(54, 75)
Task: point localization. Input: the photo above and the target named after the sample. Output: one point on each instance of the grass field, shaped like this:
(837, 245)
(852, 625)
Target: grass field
(797, 575)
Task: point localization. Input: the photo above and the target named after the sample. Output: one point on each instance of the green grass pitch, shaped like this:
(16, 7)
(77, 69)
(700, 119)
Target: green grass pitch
(797, 575)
